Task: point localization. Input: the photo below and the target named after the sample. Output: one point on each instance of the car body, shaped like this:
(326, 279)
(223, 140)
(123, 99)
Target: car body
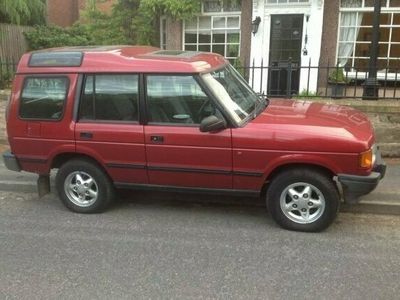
(140, 117)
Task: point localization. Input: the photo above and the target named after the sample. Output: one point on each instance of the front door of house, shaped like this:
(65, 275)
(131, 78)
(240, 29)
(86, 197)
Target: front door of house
(285, 54)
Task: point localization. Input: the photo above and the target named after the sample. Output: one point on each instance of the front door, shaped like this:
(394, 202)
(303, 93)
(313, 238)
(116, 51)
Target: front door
(178, 154)
(285, 54)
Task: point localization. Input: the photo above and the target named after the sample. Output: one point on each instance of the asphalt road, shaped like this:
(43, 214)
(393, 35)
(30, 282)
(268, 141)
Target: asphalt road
(188, 249)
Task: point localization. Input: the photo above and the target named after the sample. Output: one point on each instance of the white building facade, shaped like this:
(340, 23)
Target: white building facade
(288, 37)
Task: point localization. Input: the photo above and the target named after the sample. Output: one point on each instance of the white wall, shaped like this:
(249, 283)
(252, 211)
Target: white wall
(261, 40)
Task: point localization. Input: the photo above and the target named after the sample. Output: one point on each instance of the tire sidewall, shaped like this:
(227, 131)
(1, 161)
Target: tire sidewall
(320, 181)
(105, 189)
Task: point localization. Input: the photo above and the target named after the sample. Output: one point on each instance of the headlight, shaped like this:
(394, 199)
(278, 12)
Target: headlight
(367, 159)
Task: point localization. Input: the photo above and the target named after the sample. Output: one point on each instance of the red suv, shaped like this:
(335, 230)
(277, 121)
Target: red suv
(139, 117)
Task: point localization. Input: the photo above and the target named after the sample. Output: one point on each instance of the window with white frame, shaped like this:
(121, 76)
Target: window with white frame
(287, 1)
(355, 33)
(216, 30)
(163, 33)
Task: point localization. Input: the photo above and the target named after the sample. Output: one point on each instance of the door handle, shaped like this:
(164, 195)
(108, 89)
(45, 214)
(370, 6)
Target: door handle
(86, 135)
(157, 138)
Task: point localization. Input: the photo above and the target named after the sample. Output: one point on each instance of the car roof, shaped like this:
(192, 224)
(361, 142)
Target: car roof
(109, 59)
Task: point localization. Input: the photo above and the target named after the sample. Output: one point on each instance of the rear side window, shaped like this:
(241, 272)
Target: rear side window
(43, 98)
(110, 97)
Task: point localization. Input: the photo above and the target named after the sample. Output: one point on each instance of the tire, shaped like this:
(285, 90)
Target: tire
(83, 187)
(303, 200)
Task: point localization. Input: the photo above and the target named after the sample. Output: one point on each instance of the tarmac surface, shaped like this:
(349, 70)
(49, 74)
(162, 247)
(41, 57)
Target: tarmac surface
(160, 249)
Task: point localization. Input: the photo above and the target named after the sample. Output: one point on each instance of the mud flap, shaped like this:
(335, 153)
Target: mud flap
(43, 185)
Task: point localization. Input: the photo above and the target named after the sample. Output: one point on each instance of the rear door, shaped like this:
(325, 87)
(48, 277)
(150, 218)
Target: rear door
(108, 126)
(178, 154)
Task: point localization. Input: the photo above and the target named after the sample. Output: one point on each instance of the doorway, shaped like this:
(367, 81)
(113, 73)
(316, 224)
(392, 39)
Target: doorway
(285, 54)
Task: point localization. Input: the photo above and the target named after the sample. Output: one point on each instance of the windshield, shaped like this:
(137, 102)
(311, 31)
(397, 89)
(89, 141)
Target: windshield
(233, 92)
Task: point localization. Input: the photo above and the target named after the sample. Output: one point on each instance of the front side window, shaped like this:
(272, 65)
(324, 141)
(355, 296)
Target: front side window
(176, 100)
(43, 98)
(110, 98)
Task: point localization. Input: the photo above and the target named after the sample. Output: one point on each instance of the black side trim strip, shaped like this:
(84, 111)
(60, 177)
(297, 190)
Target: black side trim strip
(32, 160)
(189, 170)
(183, 170)
(153, 187)
(251, 174)
(125, 166)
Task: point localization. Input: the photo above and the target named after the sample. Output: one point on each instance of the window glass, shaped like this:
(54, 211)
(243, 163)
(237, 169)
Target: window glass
(43, 98)
(110, 97)
(355, 38)
(286, 1)
(56, 59)
(176, 100)
(218, 34)
(233, 92)
(212, 6)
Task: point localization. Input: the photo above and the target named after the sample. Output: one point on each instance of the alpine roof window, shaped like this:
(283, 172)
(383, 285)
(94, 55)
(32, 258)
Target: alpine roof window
(56, 59)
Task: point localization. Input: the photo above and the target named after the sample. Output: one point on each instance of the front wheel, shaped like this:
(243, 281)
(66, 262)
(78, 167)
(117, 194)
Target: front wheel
(84, 187)
(303, 200)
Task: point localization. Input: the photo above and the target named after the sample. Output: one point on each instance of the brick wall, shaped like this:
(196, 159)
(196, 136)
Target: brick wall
(329, 39)
(62, 13)
(65, 13)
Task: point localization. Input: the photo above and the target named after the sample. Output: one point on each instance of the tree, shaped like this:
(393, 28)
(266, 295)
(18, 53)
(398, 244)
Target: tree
(139, 19)
(130, 22)
(22, 12)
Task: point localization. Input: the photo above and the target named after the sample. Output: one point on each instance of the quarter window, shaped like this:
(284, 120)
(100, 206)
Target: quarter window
(176, 100)
(110, 97)
(43, 98)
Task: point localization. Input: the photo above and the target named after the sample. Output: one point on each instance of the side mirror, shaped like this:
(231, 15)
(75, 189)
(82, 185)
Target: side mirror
(212, 123)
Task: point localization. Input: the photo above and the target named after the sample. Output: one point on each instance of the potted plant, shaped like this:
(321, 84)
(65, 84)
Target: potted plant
(337, 80)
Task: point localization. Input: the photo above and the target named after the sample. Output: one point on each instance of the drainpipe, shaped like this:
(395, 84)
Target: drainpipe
(371, 85)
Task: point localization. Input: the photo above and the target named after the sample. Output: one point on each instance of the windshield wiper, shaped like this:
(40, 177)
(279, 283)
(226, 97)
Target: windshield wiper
(261, 102)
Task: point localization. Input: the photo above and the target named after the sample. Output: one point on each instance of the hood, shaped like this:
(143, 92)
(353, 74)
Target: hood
(335, 127)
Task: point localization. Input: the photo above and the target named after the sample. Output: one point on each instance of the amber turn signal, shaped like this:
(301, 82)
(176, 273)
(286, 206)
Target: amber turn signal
(366, 159)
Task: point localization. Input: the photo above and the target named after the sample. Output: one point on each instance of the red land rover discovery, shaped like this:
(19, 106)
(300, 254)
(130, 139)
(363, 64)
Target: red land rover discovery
(139, 117)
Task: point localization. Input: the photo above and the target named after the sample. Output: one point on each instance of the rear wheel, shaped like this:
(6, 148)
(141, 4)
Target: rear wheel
(84, 187)
(303, 200)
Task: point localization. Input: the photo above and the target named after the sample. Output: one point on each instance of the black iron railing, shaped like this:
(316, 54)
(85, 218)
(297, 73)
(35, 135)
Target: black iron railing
(288, 79)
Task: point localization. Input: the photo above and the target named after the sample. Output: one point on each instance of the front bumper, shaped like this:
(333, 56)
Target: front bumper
(11, 162)
(354, 186)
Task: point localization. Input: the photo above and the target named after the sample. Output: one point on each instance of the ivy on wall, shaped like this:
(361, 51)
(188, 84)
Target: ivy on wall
(130, 22)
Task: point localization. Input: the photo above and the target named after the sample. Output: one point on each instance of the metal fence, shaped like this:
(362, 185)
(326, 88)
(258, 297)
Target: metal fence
(12, 41)
(290, 80)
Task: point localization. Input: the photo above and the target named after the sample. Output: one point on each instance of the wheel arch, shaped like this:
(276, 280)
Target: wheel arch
(62, 158)
(295, 165)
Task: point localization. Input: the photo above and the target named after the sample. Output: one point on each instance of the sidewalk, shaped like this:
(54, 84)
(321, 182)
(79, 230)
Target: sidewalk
(384, 200)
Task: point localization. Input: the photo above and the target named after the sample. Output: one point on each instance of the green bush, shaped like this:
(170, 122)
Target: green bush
(6, 77)
(337, 76)
(53, 36)
(306, 94)
(130, 22)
